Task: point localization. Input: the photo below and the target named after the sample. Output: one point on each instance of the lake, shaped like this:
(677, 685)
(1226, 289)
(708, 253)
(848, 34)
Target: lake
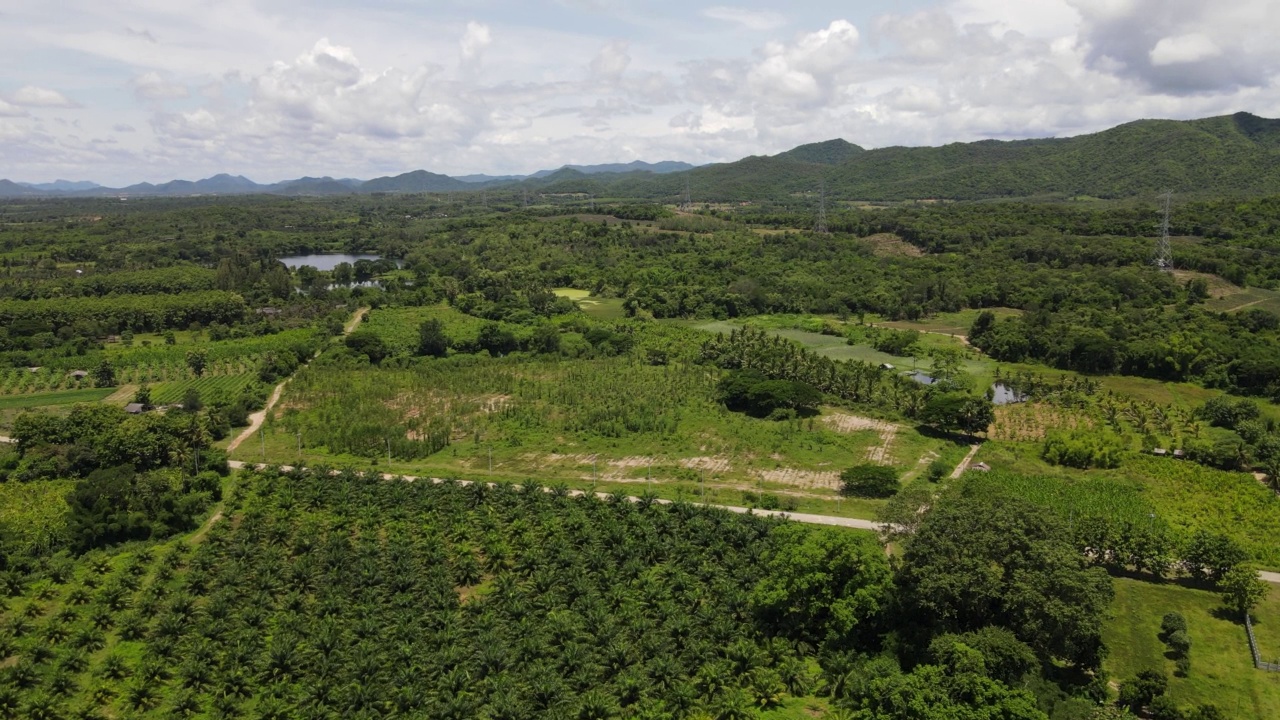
(326, 261)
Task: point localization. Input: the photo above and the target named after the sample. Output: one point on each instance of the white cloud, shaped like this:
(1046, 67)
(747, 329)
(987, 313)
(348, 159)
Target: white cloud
(803, 71)
(611, 61)
(151, 86)
(476, 38)
(1189, 48)
(32, 96)
(9, 110)
(758, 20)
(246, 87)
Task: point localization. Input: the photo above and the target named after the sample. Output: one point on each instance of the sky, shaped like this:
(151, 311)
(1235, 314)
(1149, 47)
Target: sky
(124, 91)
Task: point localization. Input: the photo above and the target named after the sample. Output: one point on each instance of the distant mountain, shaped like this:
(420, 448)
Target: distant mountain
(1221, 155)
(831, 152)
(314, 186)
(659, 168)
(414, 182)
(222, 184)
(489, 178)
(1231, 154)
(63, 186)
(11, 189)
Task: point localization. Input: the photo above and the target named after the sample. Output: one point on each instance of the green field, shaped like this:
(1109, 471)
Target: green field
(62, 397)
(1222, 671)
(598, 308)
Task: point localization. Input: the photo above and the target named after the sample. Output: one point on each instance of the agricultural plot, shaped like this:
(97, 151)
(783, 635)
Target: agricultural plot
(611, 420)
(33, 514)
(398, 326)
(339, 597)
(216, 390)
(64, 397)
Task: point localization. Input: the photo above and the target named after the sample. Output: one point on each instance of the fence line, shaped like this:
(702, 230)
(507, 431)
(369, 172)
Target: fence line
(1253, 648)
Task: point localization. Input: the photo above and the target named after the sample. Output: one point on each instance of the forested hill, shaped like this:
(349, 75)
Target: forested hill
(1222, 155)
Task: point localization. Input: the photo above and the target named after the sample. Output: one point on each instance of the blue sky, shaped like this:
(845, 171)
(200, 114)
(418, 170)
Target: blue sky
(121, 91)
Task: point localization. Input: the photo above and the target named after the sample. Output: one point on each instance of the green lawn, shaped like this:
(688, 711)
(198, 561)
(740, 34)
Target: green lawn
(1222, 671)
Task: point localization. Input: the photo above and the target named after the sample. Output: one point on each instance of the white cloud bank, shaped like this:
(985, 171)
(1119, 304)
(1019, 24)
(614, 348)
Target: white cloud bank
(260, 87)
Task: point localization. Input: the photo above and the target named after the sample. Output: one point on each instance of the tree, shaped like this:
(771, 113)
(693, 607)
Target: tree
(191, 401)
(546, 339)
(821, 584)
(1241, 588)
(1209, 556)
(104, 375)
(958, 412)
(1140, 691)
(496, 340)
(432, 342)
(197, 360)
(143, 395)
(981, 558)
(368, 343)
(869, 480)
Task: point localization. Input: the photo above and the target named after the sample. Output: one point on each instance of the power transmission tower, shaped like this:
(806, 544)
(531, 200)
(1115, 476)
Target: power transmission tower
(1164, 252)
(820, 225)
(686, 201)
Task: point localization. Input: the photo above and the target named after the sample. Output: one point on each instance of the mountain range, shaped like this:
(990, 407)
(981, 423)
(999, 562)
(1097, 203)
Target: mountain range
(417, 181)
(1232, 154)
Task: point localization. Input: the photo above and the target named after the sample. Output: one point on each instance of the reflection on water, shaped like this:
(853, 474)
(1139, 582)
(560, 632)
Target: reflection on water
(326, 261)
(1002, 394)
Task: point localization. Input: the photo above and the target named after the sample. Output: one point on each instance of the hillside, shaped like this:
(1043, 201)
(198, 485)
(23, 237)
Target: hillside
(1236, 154)
(414, 182)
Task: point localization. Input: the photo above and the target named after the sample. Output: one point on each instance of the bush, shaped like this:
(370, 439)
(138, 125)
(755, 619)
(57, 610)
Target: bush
(1183, 665)
(1171, 623)
(1179, 642)
(1165, 708)
(869, 480)
(1225, 411)
(937, 470)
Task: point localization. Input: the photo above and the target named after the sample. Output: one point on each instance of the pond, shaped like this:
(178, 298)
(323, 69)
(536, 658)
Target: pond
(1002, 394)
(922, 378)
(326, 261)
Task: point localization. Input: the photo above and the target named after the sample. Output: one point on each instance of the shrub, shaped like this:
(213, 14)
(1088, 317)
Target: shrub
(869, 480)
(1171, 623)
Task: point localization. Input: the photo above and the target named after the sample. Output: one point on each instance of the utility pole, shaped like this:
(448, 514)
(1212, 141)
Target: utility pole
(1164, 251)
(263, 438)
(388, 450)
(490, 459)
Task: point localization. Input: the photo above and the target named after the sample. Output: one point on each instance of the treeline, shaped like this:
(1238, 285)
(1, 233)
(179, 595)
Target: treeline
(1236, 352)
(141, 313)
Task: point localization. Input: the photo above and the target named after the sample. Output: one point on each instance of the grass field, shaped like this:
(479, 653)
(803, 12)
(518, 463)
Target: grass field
(1226, 297)
(599, 308)
(61, 397)
(1222, 671)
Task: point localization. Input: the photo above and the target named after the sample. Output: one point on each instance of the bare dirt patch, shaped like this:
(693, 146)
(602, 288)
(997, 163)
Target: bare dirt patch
(829, 480)
(716, 464)
(879, 454)
(890, 245)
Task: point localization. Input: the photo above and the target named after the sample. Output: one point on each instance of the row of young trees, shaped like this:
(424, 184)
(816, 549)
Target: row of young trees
(343, 595)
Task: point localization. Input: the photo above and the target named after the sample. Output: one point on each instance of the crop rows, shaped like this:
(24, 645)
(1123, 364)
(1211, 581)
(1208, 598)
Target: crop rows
(341, 597)
(214, 390)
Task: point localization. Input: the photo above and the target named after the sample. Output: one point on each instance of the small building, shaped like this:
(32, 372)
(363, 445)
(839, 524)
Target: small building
(269, 311)
(34, 369)
(1161, 452)
(1179, 453)
(886, 366)
(113, 339)
(135, 408)
(981, 467)
(79, 374)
